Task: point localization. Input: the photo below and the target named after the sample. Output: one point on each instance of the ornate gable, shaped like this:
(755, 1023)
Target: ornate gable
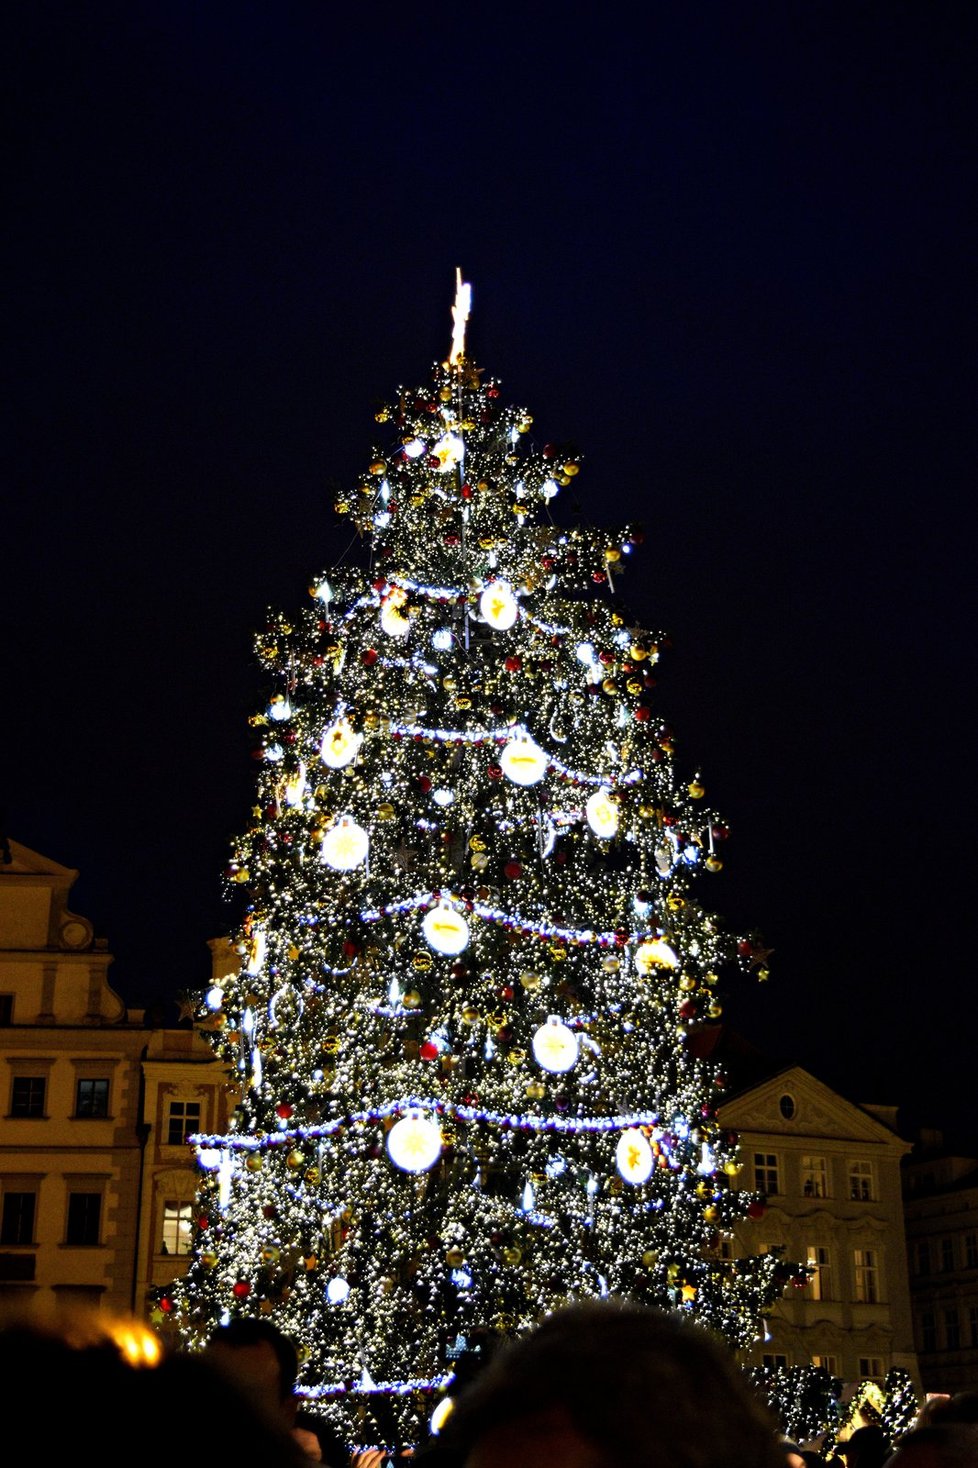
(818, 1111)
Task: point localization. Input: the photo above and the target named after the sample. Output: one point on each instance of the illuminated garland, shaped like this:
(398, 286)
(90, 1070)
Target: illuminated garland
(569, 1126)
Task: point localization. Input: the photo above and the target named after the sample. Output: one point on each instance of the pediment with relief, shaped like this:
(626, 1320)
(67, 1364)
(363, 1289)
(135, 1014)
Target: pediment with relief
(818, 1112)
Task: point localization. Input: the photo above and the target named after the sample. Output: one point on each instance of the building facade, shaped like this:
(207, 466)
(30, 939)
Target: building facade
(830, 1173)
(941, 1208)
(96, 1178)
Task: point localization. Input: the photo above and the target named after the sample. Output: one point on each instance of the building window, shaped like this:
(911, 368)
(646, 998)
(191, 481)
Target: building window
(84, 1217)
(861, 1181)
(827, 1363)
(814, 1177)
(871, 1368)
(928, 1331)
(787, 1107)
(922, 1256)
(177, 1227)
(971, 1251)
(766, 1178)
(17, 1219)
(775, 1359)
(182, 1122)
(952, 1330)
(973, 1324)
(92, 1098)
(947, 1256)
(6, 1009)
(867, 1276)
(27, 1096)
(820, 1283)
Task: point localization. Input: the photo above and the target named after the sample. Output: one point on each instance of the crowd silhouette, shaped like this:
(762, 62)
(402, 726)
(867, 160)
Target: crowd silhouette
(596, 1384)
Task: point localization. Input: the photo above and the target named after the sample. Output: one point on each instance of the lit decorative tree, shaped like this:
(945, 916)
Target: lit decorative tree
(472, 959)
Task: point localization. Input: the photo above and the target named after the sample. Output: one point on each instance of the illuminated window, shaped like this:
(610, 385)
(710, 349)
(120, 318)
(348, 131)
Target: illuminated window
(827, 1363)
(27, 1096)
(814, 1177)
(766, 1173)
(861, 1181)
(820, 1283)
(17, 1218)
(84, 1218)
(183, 1120)
(92, 1098)
(177, 1227)
(867, 1276)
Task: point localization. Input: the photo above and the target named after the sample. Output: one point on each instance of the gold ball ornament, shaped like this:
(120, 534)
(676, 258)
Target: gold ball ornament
(294, 1161)
(695, 790)
(512, 1254)
(253, 1162)
(713, 864)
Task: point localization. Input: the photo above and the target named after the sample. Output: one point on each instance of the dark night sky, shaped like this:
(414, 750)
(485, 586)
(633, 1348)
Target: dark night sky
(729, 251)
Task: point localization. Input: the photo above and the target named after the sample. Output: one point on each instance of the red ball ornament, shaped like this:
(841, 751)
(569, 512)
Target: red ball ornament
(350, 949)
(513, 664)
(687, 1009)
(495, 772)
(466, 491)
(756, 1210)
(429, 1050)
(166, 1304)
(643, 713)
(598, 576)
(369, 657)
(513, 869)
(203, 1221)
(284, 1110)
(424, 781)
(241, 1290)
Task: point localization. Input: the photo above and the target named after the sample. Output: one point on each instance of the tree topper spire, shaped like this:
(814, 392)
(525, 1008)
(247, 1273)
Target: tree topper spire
(460, 315)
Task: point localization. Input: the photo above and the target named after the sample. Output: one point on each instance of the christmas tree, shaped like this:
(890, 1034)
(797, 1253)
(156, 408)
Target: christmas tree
(472, 958)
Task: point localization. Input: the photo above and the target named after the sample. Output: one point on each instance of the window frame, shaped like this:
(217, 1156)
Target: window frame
(181, 1206)
(74, 1193)
(863, 1190)
(187, 1129)
(814, 1165)
(766, 1166)
(93, 1115)
(28, 1111)
(6, 1241)
(866, 1276)
(819, 1285)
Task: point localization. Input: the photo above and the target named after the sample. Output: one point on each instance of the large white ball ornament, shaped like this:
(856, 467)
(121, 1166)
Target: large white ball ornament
(345, 845)
(340, 744)
(337, 1291)
(499, 606)
(523, 762)
(414, 1143)
(634, 1156)
(654, 954)
(555, 1046)
(602, 814)
(445, 930)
